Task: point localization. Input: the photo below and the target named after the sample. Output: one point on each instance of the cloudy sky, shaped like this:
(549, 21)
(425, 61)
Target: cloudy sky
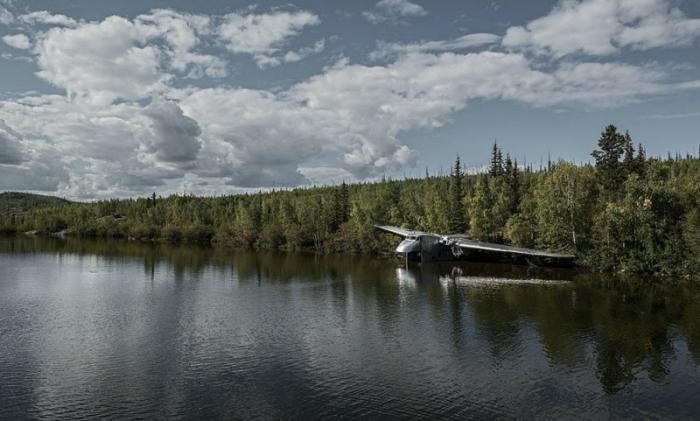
(116, 99)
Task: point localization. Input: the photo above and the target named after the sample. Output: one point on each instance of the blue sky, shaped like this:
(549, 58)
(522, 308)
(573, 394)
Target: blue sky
(118, 99)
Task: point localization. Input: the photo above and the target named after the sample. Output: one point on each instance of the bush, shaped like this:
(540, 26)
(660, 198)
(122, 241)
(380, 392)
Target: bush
(197, 233)
(271, 237)
(171, 234)
(144, 232)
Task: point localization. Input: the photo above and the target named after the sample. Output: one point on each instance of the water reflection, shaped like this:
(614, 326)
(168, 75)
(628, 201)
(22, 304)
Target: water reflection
(95, 328)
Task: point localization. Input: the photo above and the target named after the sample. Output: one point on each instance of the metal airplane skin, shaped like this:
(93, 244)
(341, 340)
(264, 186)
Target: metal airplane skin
(422, 246)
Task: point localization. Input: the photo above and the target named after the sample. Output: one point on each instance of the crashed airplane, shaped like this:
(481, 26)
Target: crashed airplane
(419, 246)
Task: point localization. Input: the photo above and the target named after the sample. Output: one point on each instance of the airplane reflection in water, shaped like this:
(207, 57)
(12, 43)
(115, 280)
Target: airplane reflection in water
(472, 275)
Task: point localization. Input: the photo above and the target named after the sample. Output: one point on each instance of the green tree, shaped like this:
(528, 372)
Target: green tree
(611, 146)
(564, 200)
(480, 210)
(457, 218)
(496, 168)
(629, 162)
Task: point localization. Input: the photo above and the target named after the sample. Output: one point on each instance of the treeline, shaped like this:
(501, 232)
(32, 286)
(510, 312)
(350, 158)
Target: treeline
(626, 212)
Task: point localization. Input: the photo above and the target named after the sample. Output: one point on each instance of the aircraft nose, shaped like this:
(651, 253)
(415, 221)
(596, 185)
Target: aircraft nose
(408, 246)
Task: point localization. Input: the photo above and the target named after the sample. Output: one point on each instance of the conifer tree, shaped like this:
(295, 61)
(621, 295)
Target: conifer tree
(457, 220)
(629, 163)
(344, 202)
(607, 158)
(480, 210)
(513, 177)
(641, 160)
(496, 168)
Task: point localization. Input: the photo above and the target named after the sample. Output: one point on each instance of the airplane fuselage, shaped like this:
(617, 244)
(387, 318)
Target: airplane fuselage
(421, 246)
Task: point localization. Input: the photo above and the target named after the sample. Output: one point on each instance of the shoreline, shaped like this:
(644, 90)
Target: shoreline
(387, 256)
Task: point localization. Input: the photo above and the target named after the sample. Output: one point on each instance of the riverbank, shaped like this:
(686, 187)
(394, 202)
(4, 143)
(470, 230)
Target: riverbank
(641, 216)
(68, 241)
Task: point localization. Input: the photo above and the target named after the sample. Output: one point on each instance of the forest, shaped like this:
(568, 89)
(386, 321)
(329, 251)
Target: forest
(624, 212)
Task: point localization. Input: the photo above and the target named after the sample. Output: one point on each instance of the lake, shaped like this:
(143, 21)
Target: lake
(126, 330)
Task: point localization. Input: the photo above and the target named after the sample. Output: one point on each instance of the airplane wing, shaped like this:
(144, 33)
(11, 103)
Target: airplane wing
(466, 243)
(402, 232)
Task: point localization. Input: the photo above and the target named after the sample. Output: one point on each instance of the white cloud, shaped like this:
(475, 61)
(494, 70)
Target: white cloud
(19, 41)
(28, 165)
(264, 143)
(601, 27)
(10, 146)
(9, 56)
(264, 61)
(294, 56)
(122, 59)
(42, 173)
(6, 17)
(327, 175)
(182, 35)
(346, 122)
(101, 61)
(121, 149)
(673, 116)
(350, 118)
(387, 50)
(392, 10)
(46, 18)
(262, 35)
(175, 136)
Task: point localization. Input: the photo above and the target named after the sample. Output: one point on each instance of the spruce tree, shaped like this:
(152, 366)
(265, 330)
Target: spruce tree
(457, 219)
(641, 160)
(629, 163)
(335, 211)
(607, 158)
(496, 168)
(513, 175)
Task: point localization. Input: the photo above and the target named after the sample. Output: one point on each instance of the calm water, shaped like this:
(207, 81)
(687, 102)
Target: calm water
(129, 330)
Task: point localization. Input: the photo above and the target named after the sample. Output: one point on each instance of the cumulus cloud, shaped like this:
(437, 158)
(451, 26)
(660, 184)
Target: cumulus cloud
(358, 112)
(118, 58)
(6, 17)
(182, 33)
(291, 56)
(327, 175)
(19, 41)
(28, 166)
(42, 173)
(132, 121)
(387, 50)
(362, 110)
(44, 17)
(101, 61)
(262, 145)
(175, 136)
(262, 35)
(351, 115)
(601, 27)
(10, 147)
(294, 56)
(393, 10)
(94, 150)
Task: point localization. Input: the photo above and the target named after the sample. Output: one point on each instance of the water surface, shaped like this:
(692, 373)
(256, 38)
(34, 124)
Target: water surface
(93, 329)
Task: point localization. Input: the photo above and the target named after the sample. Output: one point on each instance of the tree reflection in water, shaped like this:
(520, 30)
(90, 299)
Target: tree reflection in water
(630, 323)
(622, 328)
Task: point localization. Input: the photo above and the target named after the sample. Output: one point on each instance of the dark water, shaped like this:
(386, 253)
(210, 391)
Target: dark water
(90, 330)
